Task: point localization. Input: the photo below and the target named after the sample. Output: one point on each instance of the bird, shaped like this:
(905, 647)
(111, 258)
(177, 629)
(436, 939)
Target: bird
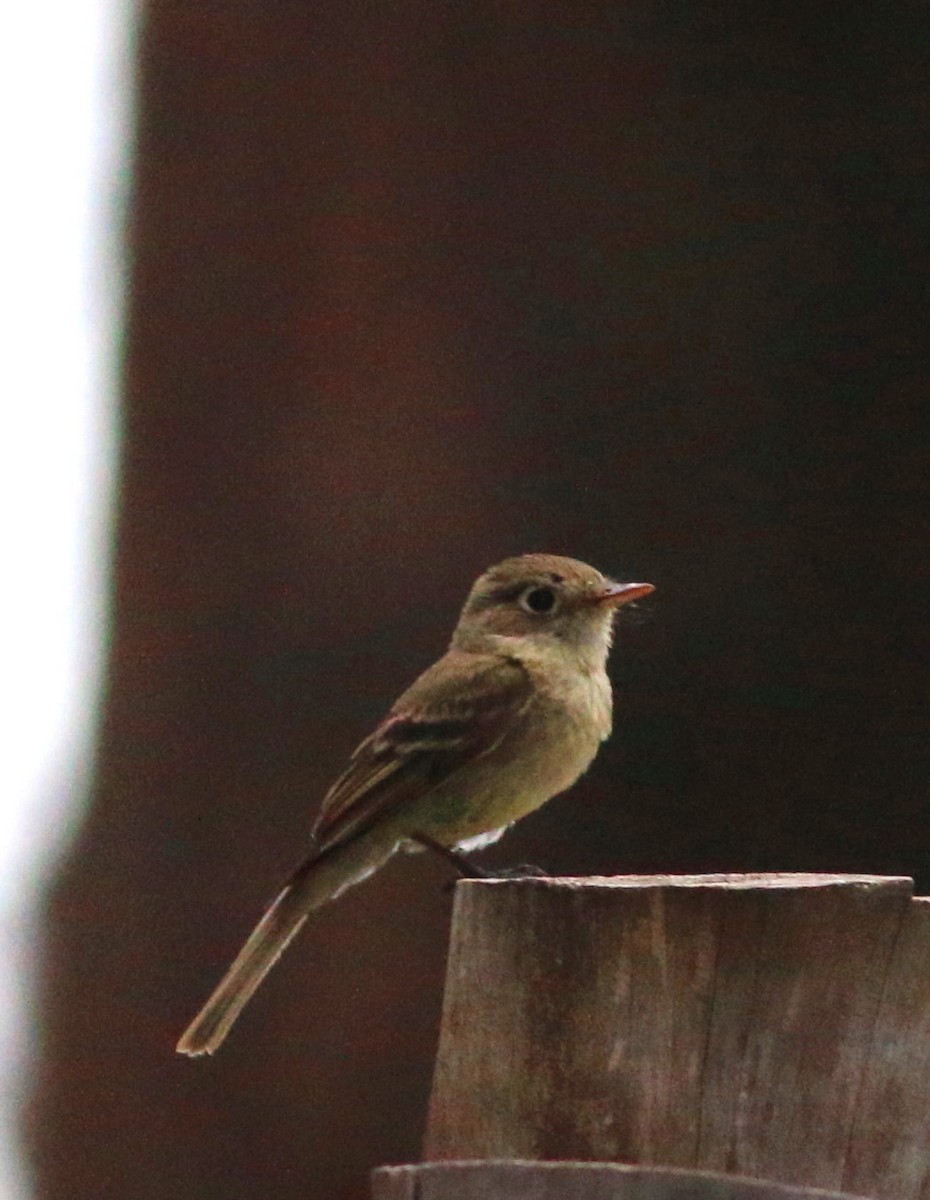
(511, 715)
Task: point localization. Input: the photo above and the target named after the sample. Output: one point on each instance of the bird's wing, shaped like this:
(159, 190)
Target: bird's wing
(457, 711)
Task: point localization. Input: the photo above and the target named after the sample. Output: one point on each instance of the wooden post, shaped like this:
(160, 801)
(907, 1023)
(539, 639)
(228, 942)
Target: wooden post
(774, 1026)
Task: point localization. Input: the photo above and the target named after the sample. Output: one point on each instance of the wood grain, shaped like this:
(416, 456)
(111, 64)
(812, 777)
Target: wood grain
(889, 1148)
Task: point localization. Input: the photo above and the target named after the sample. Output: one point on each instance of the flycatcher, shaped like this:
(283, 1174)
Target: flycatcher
(511, 715)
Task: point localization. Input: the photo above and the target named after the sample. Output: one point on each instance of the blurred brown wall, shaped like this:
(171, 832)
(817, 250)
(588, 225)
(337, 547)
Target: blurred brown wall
(414, 286)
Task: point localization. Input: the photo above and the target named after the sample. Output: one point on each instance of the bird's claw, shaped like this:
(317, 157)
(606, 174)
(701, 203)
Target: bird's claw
(523, 871)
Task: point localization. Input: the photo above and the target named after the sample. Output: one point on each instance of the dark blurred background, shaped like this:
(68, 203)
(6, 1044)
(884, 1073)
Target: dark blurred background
(415, 286)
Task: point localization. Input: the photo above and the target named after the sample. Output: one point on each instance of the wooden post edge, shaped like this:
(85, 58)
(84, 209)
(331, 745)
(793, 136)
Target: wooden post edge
(513, 1179)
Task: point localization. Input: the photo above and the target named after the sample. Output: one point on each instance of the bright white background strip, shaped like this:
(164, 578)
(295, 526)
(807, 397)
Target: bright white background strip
(65, 91)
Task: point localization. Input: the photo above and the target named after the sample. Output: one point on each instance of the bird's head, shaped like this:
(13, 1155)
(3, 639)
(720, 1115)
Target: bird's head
(545, 596)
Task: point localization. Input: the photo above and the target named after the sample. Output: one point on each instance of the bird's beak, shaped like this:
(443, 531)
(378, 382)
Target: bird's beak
(618, 594)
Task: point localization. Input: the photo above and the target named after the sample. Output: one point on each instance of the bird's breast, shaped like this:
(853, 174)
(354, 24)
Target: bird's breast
(562, 728)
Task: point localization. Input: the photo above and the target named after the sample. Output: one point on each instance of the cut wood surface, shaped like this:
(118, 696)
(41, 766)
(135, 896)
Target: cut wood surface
(511, 1180)
(775, 1026)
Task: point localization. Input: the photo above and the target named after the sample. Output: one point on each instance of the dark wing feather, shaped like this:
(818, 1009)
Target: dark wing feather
(457, 711)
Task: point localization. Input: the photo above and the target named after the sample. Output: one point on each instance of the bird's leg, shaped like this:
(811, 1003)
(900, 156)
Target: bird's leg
(470, 870)
(465, 867)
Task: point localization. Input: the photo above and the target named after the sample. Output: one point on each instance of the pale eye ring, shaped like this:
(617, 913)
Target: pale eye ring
(541, 601)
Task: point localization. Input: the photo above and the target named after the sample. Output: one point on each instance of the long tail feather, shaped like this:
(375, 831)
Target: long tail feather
(315, 881)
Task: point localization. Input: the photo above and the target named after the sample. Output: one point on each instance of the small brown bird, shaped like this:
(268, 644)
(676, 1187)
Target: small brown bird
(510, 716)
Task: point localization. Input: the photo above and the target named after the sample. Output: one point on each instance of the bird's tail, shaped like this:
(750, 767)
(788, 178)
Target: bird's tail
(315, 881)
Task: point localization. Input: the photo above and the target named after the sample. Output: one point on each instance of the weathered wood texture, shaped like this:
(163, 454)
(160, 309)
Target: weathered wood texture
(572, 1181)
(775, 1026)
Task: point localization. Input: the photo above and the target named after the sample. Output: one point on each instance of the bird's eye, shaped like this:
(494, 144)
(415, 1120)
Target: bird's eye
(538, 600)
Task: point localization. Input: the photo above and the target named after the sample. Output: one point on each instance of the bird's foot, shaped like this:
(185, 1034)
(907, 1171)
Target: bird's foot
(523, 871)
(470, 870)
